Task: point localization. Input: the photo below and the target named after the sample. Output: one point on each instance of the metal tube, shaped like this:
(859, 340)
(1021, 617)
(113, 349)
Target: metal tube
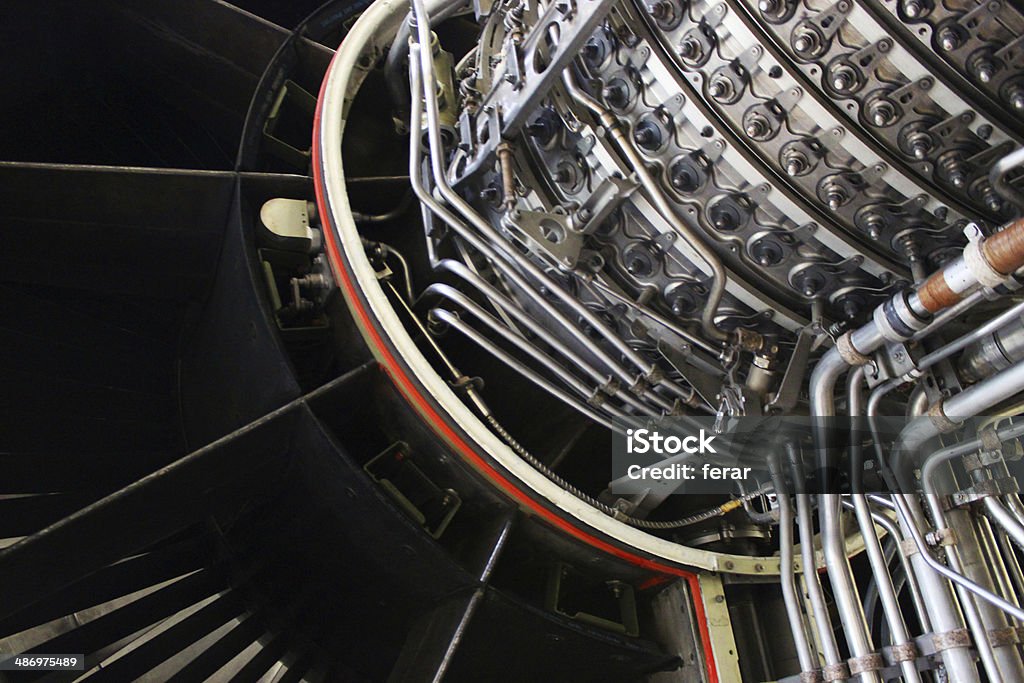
(840, 574)
(450, 318)
(1003, 319)
(945, 617)
(426, 62)
(719, 277)
(415, 155)
(790, 595)
(964, 557)
(939, 603)
(1005, 519)
(893, 530)
(826, 637)
(1013, 567)
(872, 547)
(967, 403)
(851, 613)
(454, 295)
(930, 465)
(394, 74)
(993, 552)
(951, 313)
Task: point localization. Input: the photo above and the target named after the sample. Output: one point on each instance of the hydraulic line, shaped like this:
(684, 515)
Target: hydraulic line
(879, 566)
(587, 392)
(527, 321)
(826, 636)
(484, 248)
(425, 59)
(797, 622)
(718, 273)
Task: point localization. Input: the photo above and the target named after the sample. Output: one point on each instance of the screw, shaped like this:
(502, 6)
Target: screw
(719, 87)
(537, 129)
(1016, 96)
(757, 126)
(914, 9)
(843, 78)
(874, 224)
(949, 39)
(805, 42)
(796, 162)
(768, 6)
(690, 49)
(882, 112)
(835, 196)
(920, 144)
(850, 308)
(985, 69)
(660, 10)
(616, 94)
(991, 199)
(956, 175)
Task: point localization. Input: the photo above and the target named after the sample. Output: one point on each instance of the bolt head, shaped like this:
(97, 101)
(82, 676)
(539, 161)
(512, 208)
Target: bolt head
(841, 81)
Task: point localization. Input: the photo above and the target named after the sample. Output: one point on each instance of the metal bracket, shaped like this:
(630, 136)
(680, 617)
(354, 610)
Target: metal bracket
(507, 107)
(985, 489)
(786, 397)
(602, 202)
(828, 21)
(548, 232)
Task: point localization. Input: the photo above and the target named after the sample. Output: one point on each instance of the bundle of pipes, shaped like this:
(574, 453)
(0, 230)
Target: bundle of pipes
(987, 579)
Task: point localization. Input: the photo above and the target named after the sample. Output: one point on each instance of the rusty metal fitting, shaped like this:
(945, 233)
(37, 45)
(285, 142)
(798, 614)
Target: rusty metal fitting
(958, 637)
(989, 439)
(748, 340)
(1002, 637)
(835, 672)
(848, 353)
(869, 662)
(938, 417)
(904, 652)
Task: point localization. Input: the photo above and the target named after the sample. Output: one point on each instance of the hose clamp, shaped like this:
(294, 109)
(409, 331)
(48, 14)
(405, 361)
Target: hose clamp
(1002, 637)
(850, 355)
(903, 652)
(835, 672)
(869, 662)
(990, 439)
(810, 676)
(938, 417)
(958, 637)
(979, 266)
